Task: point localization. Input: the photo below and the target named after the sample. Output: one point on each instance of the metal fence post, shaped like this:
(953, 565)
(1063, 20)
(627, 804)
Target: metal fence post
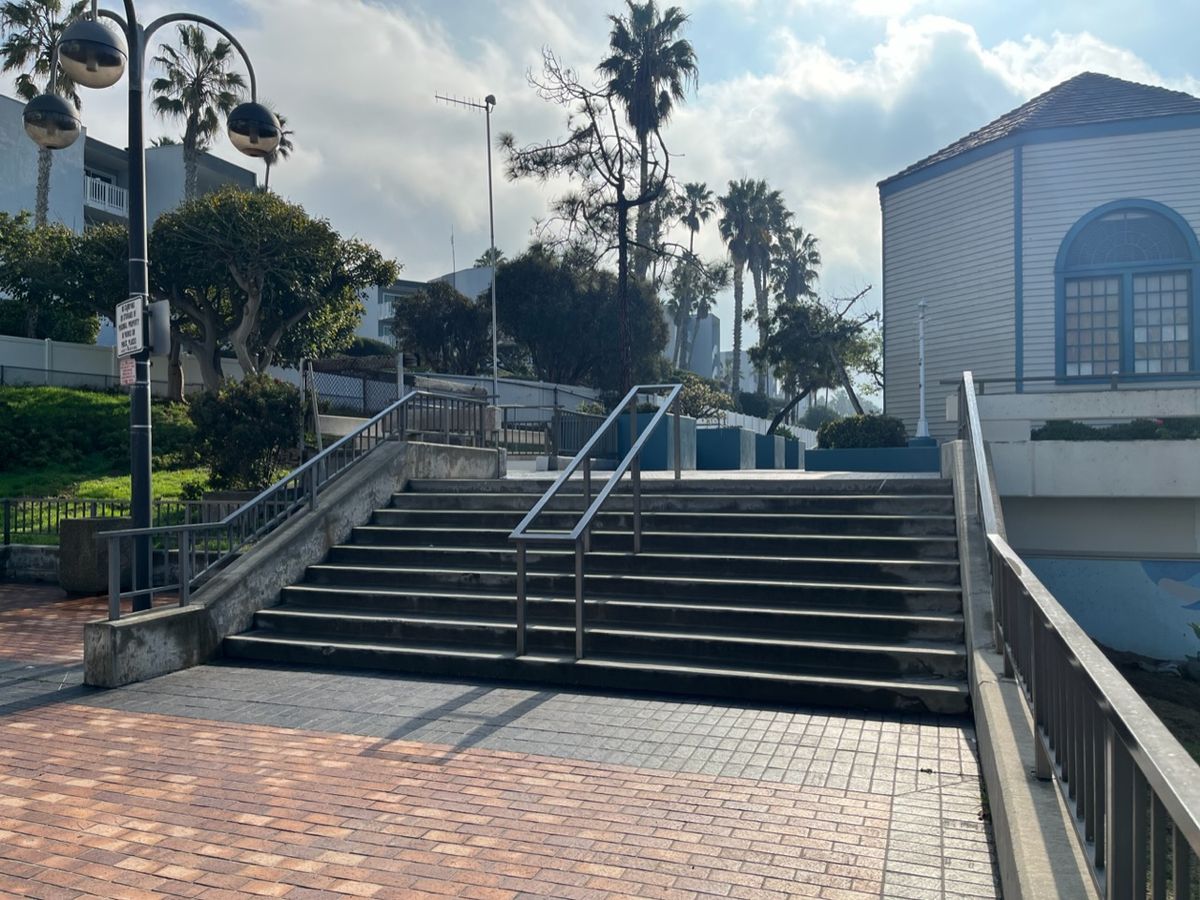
(555, 436)
(114, 579)
(312, 487)
(7, 521)
(520, 598)
(185, 567)
(678, 444)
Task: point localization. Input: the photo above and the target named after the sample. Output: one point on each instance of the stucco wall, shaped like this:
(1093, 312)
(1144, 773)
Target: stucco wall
(948, 241)
(18, 171)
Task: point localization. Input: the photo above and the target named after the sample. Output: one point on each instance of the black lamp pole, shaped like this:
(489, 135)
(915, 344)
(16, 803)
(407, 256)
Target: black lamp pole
(94, 58)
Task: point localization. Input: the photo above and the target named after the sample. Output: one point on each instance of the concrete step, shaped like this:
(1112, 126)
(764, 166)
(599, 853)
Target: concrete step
(907, 504)
(740, 650)
(679, 542)
(720, 563)
(873, 524)
(793, 590)
(800, 621)
(692, 484)
(891, 694)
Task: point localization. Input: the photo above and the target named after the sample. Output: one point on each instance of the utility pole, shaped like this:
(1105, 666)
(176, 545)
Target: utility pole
(488, 102)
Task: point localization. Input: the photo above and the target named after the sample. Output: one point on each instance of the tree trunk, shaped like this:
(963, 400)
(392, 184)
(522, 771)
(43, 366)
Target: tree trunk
(267, 180)
(735, 383)
(208, 357)
(844, 377)
(623, 335)
(641, 257)
(758, 277)
(175, 369)
(190, 167)
(791, 404)
(681, 315)
(41, 208)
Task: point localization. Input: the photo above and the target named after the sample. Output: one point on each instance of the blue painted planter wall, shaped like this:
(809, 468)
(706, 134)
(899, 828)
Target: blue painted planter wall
(874, 459)
(724, 448)
(768, 451)
(658, 455)
(793, 454)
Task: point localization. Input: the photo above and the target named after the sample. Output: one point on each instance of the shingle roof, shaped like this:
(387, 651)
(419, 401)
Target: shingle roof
(1086, 99)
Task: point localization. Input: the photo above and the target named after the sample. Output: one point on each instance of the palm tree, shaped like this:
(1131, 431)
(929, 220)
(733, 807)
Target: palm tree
(649, 68)
(198, 87)
(735, 224)
(794, 269)
(768, 217)
(30, 29)
(489, 257)
(282, 151)
(696, 206)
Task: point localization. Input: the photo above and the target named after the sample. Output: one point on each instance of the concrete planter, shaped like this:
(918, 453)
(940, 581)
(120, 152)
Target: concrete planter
(793, 454)
(724, 448)
(874, 459)
(768, 451)
(83, 560)
(1097, 468)
(658, 455)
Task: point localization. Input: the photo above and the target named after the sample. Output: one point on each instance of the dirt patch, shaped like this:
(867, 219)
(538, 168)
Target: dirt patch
(1175, 700)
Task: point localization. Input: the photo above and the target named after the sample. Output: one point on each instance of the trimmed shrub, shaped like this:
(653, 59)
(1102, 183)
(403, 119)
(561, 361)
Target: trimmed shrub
(855, 432)
(244, 429)
(701, 398)
(816, 416)
(1171, 429)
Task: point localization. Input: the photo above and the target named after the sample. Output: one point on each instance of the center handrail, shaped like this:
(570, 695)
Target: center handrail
(1122, 774)
(580, 534)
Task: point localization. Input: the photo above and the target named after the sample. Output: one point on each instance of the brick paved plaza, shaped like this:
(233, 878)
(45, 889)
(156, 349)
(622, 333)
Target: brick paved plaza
(225, 781)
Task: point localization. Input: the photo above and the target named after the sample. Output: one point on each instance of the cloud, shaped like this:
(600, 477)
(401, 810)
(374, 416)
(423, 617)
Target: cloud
(822, 108)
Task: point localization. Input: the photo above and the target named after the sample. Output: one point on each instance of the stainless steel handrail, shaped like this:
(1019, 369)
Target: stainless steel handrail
(1121, 772)
(203, 547)
(580, 534)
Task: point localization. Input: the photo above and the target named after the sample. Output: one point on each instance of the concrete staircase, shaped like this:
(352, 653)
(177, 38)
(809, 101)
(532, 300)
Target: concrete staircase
(834, 592)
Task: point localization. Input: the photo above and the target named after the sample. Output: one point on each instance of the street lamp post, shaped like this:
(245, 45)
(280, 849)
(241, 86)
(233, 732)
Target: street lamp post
(488, 103)
(95, 56)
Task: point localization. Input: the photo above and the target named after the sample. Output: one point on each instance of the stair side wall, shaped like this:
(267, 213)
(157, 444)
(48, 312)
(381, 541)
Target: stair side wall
(155, 643)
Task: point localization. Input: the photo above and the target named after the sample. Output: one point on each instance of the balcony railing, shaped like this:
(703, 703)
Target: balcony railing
(108, 197)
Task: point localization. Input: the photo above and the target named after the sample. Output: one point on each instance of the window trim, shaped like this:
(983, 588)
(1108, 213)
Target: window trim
(1126, 271)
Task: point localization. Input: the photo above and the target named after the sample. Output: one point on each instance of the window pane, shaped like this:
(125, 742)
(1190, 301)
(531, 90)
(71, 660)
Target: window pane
(1161, 336)
(1093, 333)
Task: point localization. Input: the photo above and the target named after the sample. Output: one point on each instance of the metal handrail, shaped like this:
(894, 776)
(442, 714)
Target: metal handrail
(580, 534)
(1121, 772)
(204, 547)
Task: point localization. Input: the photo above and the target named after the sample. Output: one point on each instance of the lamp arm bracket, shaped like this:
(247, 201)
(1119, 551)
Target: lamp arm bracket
(203, 20)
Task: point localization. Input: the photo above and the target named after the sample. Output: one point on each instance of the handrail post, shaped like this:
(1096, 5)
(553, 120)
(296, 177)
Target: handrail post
(553, 444)
(185, 567)
(312, 487)
(521, 598)
(579, 599)
(678, 444)
(114, 579)
(635, 472)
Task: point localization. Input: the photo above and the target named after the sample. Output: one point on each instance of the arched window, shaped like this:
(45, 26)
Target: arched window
(1126, 278)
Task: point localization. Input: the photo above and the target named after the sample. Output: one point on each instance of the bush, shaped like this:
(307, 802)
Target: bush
(816, 416)
(754, 405)
(245, 428)
(592, 408)
(784, 432)
(862, 431)
(1177, 429)
(365, 346)
(46, 427)
(701, 398)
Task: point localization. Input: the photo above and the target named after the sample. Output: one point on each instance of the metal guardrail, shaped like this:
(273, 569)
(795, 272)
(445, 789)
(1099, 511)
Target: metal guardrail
(1133, 789)
(580, 534)
(550, 431)
(27, 518)
(201, 549)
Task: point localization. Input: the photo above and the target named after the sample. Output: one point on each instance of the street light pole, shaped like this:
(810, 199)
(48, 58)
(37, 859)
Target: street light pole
(488, 103)
(96, 57)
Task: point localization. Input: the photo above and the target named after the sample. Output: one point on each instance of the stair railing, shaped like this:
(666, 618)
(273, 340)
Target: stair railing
(1122, 774)
(580, 533)
(199, 549)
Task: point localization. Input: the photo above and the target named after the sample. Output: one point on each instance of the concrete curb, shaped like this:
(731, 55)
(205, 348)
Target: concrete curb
(165, 640)
(1037, 850)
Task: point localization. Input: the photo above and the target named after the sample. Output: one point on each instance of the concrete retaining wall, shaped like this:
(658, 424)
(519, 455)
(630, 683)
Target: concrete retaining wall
(724, 448)
(165, 640)
(29, 563)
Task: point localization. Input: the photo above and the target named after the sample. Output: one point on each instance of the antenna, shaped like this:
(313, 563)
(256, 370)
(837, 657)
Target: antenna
(467, 102)
(453, 261)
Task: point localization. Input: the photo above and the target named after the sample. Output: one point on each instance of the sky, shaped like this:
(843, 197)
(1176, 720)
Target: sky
(822, 98)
